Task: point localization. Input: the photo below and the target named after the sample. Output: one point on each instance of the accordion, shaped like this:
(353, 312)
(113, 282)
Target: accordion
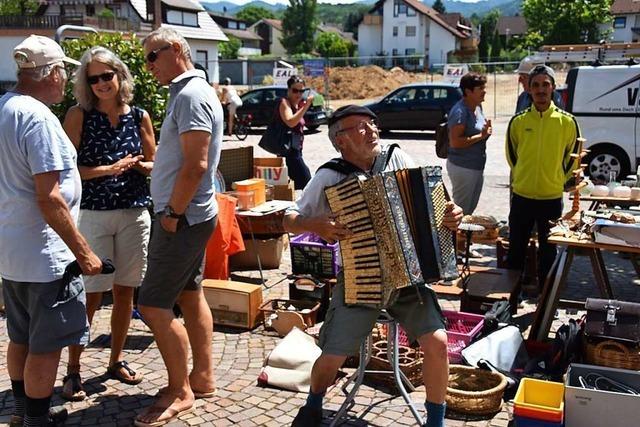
(398, 238)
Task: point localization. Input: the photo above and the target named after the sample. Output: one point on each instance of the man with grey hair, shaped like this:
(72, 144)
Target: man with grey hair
(524, 99)
(540, 142)
(182, 189)
(353, 132)
(39, 204)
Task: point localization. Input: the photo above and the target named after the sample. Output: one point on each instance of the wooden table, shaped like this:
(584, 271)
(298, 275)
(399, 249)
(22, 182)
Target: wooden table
(623, 202)
(556, 279)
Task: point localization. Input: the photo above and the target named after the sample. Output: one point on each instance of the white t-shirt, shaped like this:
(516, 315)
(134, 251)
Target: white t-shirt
(231, 96)
(32, 141)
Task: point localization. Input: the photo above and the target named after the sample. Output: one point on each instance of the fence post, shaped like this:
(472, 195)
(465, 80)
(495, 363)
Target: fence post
(495, 94)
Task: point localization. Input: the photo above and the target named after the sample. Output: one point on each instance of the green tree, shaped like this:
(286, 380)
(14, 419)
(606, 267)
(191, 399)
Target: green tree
(438, 6)
(147, 93)
(18, 7)
(253, 14)
(352, 21)
(331, 45)
(488, 24)
(299, 26)
(567, 21)
(229, 50)
(496, 46)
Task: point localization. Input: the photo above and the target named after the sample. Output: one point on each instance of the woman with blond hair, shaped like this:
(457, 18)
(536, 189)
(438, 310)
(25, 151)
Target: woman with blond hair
(116, 149)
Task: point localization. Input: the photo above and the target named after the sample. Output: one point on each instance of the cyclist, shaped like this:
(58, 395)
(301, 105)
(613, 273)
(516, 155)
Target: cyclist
(232, 101)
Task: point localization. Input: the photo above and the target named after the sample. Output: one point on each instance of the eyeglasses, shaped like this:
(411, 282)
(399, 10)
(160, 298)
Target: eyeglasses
(363, 126)
(294, 90)
(153, 55)
(105, 77)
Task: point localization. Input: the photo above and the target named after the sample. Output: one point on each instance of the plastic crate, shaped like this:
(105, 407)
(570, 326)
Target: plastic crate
(530, 422)
(461, 329)
(540, 400)
(310, 255)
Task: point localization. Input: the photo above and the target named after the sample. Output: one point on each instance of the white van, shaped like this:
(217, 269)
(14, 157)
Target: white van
(605, 100)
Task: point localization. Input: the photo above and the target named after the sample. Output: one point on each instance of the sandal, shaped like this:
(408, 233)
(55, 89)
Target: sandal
(72, 388)
(114, 372)
(159, 410)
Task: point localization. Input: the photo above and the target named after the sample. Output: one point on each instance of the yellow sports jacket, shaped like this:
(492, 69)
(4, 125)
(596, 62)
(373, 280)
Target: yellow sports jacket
(538, 149)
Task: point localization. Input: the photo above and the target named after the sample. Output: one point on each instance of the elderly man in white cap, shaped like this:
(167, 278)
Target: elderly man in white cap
(39, 202)
(524, 99)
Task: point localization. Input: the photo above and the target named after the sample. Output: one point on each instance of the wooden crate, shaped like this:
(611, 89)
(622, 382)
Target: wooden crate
(233, 303)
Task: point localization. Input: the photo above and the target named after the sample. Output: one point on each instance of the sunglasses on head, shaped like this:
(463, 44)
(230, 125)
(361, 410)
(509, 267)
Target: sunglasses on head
(105, 77)
(294, 90)
(153, 55)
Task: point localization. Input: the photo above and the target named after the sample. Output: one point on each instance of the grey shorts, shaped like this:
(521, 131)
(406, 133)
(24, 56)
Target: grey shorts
(38, 318)
(176, 262)
(345, 326)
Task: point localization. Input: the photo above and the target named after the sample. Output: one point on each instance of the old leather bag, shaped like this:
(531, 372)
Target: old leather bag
(612, 319)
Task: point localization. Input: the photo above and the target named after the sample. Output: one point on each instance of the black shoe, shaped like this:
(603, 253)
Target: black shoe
(307, 417)
(57, 416)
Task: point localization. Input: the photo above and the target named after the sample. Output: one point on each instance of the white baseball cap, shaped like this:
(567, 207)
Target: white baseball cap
(38, 51)
(528, 63)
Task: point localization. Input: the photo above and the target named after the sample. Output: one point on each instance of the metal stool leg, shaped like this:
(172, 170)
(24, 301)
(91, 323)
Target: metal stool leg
(356, 378)
(394, 360)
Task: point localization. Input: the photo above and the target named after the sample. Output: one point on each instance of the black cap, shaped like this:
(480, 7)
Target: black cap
(350, 110)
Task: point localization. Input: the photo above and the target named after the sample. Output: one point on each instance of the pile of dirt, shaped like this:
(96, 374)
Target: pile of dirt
(364, 82)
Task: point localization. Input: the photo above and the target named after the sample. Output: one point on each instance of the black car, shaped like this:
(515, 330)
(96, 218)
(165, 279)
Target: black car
(262, 103)
(416, 106)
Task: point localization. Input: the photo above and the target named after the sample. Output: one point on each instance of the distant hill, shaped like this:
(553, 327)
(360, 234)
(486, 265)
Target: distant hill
(233, 8)
(506, 7)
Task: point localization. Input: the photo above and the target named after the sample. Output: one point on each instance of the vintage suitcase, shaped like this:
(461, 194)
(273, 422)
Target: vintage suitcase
(611, 319)
(233, 303)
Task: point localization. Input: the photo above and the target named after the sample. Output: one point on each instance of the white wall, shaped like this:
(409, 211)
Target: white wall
(624, 35)
(369, 39)
(441, 42)
(276, 45)
(7, 65)
(212, 48)
(399, 42)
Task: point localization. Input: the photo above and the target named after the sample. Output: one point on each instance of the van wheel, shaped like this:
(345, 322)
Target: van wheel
(601, 161)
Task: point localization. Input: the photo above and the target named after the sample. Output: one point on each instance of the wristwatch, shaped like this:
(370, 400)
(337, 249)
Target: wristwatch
(168, 211)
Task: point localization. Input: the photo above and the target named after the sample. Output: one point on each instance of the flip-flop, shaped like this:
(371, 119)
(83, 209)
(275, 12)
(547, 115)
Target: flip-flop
(173, 414)
(114, 372)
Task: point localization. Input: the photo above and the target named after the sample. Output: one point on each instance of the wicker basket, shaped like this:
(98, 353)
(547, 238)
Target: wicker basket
(410, 362)
(612, 354)
(474, 391)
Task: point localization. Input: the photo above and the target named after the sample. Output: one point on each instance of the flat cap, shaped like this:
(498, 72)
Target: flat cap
(350, 110)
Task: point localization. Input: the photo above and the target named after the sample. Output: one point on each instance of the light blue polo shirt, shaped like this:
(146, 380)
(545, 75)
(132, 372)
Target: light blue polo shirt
(193, 105)
(32, 141)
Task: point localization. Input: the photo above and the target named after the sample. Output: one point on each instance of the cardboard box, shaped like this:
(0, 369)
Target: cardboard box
(255, 185)
(233, 303)
(272, 169)
(284, 192)
(269, 248)
(595, 408)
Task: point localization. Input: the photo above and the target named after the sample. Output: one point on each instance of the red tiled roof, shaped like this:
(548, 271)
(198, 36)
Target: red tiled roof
(435, 17)
(621, 7)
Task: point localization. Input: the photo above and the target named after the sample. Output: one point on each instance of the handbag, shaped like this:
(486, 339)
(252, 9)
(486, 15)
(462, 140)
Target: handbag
(278, 138)
(612, 319)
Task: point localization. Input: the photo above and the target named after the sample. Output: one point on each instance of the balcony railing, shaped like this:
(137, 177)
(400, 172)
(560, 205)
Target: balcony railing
(54, 21)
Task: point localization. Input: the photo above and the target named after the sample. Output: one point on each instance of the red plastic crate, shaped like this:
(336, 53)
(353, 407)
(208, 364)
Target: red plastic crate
(461, 329)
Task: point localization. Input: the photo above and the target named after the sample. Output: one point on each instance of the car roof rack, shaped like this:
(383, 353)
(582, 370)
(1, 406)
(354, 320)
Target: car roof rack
(595, 53)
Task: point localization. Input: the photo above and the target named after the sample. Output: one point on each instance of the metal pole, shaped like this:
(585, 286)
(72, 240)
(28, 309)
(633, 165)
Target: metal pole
(495, 95)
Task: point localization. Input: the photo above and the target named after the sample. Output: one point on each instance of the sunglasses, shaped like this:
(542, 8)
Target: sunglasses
(105, 77)
(153, 55)
(294, 90)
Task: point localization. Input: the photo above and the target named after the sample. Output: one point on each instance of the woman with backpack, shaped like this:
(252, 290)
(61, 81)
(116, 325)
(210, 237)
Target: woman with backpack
(116, 148)
(468, 134)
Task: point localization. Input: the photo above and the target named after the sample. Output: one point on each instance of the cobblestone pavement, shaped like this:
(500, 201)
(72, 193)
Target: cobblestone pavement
(239, 354)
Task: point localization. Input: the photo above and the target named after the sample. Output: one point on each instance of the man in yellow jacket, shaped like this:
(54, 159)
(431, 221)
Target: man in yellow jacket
(540, 141)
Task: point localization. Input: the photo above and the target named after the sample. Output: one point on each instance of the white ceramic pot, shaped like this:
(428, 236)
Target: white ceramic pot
(600, 191)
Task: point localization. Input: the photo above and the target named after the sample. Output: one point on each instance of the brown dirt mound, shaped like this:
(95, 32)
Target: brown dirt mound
(363, 82)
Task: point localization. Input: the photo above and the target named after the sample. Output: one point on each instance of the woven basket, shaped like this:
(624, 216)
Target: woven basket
(612, 354)
(474, 391)
(410, 362)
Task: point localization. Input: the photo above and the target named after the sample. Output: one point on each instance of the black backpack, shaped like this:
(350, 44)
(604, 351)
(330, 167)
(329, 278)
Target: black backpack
(339, 164)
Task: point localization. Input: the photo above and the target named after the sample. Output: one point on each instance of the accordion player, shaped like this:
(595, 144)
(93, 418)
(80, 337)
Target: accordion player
(398, 239)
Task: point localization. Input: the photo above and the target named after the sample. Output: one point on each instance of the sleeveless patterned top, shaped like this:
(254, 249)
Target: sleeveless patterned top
(102, 144)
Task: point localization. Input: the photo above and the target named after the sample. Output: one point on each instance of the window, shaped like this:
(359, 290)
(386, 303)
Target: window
(411, 11)
(394, 52)
(202, 58)
(242, 25)
(410, 51)
(233, 25)
(253, 97)
(179, 17)
(90, 9)
(410, 31)
(399, 7)
(403, 95)
(619, 22)
(395, 31)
